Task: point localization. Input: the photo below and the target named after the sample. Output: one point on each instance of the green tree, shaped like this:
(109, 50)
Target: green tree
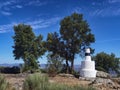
(76, 35)
(55, 46)
(27, 46)
(106, 62)
(53, 43)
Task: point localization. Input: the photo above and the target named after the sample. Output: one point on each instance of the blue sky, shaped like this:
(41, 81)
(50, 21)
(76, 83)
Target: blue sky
(44, 16)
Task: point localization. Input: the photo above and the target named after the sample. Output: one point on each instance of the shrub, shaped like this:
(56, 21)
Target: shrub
(40, 82)
(76, 74)
(10, 70)
(43, 70)
(4, 85)
(100, 69)
(54, 64)
(36, 82)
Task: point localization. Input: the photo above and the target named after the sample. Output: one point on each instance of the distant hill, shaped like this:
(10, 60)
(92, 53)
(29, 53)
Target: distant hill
(43, 66)
(9, 65)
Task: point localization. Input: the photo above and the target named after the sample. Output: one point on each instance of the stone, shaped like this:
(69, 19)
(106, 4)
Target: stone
(87, 79)
(117, 80)
(102, 74)
(105, 82)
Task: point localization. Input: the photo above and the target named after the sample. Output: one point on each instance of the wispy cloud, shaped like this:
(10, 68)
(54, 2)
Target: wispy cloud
(8, 3)
(36, 3)
(6, 6)
(6, 28)
(110, 11)
(19, 6)
(40, 23)
(97, 12)
(114, 1)
(6, 13)
(36, 24)
(109, 8)
(103, 8)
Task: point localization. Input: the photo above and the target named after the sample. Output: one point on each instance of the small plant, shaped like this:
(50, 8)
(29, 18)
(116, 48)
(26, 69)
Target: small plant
(40, 82)
(36, 82)
(3, 84)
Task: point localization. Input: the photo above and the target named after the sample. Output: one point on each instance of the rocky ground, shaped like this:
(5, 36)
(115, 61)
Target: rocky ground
(16, 80)
(102, 82)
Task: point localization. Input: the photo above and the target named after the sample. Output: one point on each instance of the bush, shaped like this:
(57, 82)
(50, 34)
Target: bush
(54, 64)
(100, 69)
(43, 70)
(36, 82)
(40, 82)
(4, 85)
(76, 74)
(10, 70)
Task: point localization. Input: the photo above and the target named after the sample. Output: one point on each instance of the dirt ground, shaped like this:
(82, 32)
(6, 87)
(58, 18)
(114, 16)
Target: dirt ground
(69, 81)
(16, 81)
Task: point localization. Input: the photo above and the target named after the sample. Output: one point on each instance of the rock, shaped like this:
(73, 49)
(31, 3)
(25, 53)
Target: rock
(105, 82)
(87, 79)
(117, 80)
(102, 80)
(102, 74)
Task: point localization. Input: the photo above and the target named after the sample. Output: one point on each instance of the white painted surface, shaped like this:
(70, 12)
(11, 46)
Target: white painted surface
(88, 67)
(88, 58)
(87, 50)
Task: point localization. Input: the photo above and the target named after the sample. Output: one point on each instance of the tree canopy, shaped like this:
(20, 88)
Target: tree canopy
(27, 46)
(107, 62)
(76, 35)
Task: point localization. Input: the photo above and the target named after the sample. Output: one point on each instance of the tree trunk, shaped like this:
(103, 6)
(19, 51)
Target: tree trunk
(72, 64)
(67, 67)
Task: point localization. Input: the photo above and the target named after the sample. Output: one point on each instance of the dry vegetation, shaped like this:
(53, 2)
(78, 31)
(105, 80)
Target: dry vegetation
(16, 81)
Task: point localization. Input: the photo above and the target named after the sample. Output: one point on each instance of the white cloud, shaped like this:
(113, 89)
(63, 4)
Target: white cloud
(6, 6)
(109, 11)
(7, 3)
(113, 1)
(103, 8)
(6, 13)
(40, 23)
(6, 28)
(97, 12)
(36, 24)
(19, 6)
(36, 3)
